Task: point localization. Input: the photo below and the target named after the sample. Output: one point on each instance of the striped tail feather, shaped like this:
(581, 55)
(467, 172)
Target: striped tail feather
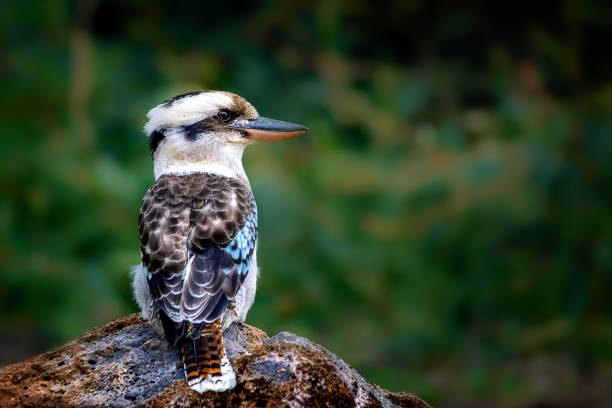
(206, 365)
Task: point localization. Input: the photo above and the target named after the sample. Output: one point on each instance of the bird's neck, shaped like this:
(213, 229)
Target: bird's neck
(223, 160)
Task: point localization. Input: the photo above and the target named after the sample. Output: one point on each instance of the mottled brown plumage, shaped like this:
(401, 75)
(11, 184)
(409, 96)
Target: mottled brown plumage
(192, 214)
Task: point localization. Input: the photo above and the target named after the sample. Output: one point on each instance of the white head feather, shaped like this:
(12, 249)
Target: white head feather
(214, 153)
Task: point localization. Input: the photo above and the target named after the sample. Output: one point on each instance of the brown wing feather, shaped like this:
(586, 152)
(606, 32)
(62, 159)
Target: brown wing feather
(164, 227)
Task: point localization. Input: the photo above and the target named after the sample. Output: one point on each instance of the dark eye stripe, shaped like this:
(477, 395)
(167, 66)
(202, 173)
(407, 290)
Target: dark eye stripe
(194, 130)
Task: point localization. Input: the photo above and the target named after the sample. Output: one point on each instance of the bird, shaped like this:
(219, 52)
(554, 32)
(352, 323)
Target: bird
(198, 227)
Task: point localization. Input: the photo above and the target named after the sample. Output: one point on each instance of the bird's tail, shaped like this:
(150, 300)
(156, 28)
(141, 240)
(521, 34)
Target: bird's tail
(207, 367)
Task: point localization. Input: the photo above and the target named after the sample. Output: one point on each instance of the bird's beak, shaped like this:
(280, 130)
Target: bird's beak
(269, 130)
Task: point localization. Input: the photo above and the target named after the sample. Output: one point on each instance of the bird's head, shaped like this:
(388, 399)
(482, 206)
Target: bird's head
(208, 131)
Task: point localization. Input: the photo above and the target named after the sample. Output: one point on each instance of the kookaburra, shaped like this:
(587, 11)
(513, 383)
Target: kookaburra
(198, 227)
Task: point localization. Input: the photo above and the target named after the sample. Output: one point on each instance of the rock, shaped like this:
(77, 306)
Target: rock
(125, 364)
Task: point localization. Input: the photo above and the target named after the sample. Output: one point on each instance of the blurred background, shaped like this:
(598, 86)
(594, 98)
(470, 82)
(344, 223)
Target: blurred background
(445, 227)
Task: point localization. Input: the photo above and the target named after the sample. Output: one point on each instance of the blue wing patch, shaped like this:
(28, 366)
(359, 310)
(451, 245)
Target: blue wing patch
(242, 246)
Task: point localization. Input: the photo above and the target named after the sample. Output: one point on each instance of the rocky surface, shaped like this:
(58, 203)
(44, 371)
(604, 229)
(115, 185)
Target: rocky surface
(126, 364)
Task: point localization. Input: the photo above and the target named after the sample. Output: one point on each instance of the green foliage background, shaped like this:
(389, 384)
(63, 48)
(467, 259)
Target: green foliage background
(444, 227)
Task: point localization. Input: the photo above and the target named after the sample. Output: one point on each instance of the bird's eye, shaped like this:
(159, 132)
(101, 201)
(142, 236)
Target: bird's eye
(224, 115)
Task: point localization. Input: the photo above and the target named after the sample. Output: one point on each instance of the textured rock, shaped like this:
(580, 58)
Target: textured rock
(126, 364)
